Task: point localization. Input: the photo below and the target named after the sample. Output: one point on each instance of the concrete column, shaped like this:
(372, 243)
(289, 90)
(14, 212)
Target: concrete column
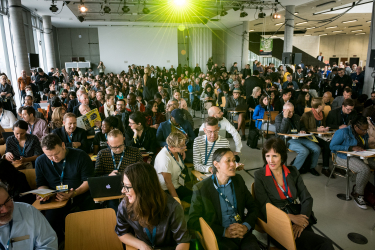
(245, 44)
(369, 80)
(48, 41)
(289, 29)
(18, 37)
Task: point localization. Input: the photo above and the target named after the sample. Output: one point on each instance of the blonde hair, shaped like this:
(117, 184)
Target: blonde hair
(255, 90)
(175, 139)
(115, 133)
(57, 117)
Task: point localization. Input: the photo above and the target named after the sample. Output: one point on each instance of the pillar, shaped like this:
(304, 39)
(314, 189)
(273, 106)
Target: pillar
(369, 80)
(48, 41)
(245, 44)
(289, 28)
(19, 38)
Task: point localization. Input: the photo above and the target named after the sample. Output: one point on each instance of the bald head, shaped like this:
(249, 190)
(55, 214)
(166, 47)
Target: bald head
(84, 109)
(215, 112)
(327, 97)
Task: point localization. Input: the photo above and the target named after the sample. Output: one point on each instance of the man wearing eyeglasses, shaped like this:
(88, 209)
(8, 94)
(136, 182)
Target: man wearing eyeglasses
(347, 94)
(205, 146)
(114, 159)
(22, 226)
(340, 117)
(65, 169)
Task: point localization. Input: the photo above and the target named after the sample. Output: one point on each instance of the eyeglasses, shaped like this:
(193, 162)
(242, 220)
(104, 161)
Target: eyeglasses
(363, 130)
(115, 148)
(126, 187)
(212, 132)
(10, 198)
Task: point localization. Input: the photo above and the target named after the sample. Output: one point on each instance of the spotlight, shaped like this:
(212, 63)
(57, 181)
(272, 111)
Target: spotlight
(179, 3)
(243, 14)
(53, 7)
(223, 13)
(81, 18)
(261, 15)
(204, 20)
(145, 10)
(82, 8)
(276, 16)
(107, 9)
(125, 9)
(236, 6)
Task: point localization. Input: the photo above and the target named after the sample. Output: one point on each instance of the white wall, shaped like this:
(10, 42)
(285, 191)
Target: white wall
(309, 44)
(137, 45)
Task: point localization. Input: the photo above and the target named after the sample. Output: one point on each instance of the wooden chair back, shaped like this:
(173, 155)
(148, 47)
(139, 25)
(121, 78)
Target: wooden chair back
(2, 150)
(273, 115)
(30, 177)
(8, 130)
(209, 237)
(223, 101)
(326, 110)
(92, 230)
(307, 110)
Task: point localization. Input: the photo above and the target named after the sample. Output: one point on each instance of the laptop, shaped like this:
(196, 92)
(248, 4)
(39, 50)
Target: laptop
(6, 135)
(105, 186)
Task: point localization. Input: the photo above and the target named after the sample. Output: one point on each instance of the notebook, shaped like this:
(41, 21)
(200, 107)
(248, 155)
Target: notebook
(105, 186)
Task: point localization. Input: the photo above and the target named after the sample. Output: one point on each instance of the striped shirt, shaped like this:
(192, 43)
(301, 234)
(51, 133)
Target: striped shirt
(32, 147)
(199, 151)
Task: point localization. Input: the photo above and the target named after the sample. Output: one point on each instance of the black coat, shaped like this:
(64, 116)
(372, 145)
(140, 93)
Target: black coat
(147, 140)
(72, 104)
(79, 135)
(335, 118)
(251, 83)
(206, 203)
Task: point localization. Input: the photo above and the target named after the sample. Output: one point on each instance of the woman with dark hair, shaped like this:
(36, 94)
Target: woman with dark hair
(303, 101)
(354, 138)
(281, 185)
(147, 217)
(153, 117)
(274, 94)
(139, 135)
(22, 148)
(221, 201)
(259, 113)
(15, 181)
(72, 95)
(100, 139)
(208, 96)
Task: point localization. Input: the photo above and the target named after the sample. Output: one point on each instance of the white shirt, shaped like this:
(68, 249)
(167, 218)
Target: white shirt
(164, 163)
(226, 125)
(8, 119)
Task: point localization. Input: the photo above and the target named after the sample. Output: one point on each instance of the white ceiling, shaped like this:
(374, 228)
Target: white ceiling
(67, 19)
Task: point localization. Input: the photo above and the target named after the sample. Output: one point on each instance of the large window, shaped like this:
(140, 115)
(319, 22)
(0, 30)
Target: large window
(263, 60)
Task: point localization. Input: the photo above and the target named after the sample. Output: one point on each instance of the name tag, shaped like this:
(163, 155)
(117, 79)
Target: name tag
(293, 131)
(181, 179)
(354, 84)
(62, 187)
(301, 81)
(21, 238)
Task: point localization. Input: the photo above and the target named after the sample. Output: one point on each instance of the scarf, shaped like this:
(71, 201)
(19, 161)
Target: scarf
(317, 116)
(109, 111)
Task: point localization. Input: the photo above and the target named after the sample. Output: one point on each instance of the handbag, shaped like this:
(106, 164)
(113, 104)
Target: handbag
(295, 208)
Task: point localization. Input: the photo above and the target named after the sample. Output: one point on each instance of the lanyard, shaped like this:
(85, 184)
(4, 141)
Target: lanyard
(19, 149)
(178, 128)
(62, 172)
(234, 206)
(360, 137)
(2, 114)
(151, 237)
(114, 161)
(70, 137)
(8, 243)
(176, 159)
(208, 156)
(343, 120)
(136, 140)
(285, 192)
(32, 128)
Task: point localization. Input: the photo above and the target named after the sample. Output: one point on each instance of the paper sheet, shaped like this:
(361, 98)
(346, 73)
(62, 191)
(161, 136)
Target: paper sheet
(364, 153)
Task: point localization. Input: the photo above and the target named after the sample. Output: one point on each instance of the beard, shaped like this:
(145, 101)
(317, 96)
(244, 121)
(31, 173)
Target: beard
(5, 218)
(219, 119)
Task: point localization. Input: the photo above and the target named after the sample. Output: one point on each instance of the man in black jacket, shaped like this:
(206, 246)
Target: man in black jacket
(41, 80)
(246, 71)
(252, 82)
(340, 117)
(72, 136)
(289, 123)
(340, 82)
(285, 97)
(213, 198)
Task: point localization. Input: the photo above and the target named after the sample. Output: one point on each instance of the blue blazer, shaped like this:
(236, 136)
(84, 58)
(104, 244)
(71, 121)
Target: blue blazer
(165, 129)
(343, 139)
(259, 114)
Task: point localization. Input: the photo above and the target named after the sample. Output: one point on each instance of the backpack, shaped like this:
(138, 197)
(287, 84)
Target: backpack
(369, 195)
(252, 139)
(196, 104)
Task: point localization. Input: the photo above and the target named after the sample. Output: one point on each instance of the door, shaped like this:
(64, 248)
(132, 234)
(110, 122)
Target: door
(354, 60)
(343, 60)
(333, 60)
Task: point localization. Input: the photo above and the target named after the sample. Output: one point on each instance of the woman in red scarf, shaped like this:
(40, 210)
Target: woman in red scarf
(314, 120)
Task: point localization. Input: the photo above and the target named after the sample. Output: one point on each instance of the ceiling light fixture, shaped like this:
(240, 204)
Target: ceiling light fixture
(301, 23)
(145, 10)
(244, 14)
(53, 7)
(311, 28)
(356, 30)
(369, 21)
(125, 8)
(81, 18)
(323, 34)
(332, 27)
(337, 31)
(307, 35)
(350, 21)
(296, 13)
(82, 7)
(236, 6)
(223, 12)
(360, 33)
(251, 30)
(276, 16)
(278, 24)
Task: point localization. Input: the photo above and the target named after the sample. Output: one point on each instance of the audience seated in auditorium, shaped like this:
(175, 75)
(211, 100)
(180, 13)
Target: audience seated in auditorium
(354, 138)
(22, 226)
(253, 100)
(327, 98)
(208, 97)
(7, 118)
(83, 99)
(290, 80)
(172, 105)
(286, 94)
(337, 102)
(71, 135)
(29, 103)
(221, 201)
(176, 123)
(340, 117)
(340, 82)
(36, 126)
(259, 112)
(169, 165)
(181, 101)
(251, 83)
(314, 121)
(303, 101)
(140, 135)
(60, 166)
(100, 139)
(231, 104)
(148, 218)
(281, 185)
(108, 109)
(74, 102)
(153, 115)
(289, 123)
(133, 105)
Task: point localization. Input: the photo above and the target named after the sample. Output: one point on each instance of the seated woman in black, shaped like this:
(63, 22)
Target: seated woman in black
(221, 200)
(139, 135)
(16, 182)
(280, 185)
(147, 217)
(303, 101)
(100, 139)
(153, 116)
(22, 148)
